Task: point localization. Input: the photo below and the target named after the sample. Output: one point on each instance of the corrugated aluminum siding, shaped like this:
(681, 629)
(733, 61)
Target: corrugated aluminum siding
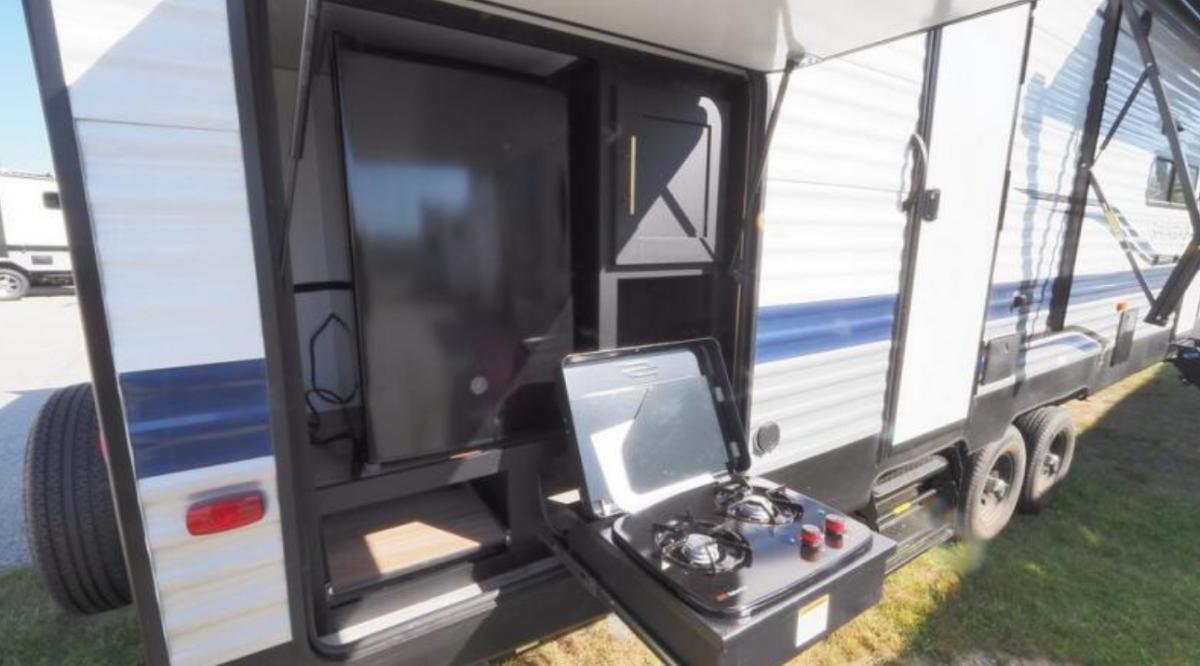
(1124, 169)
(152, 91)
(832, 247)
(1062, 56)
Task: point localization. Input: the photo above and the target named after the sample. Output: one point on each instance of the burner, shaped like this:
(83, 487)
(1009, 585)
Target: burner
(741, 500)
(698, 545)
(700, 550)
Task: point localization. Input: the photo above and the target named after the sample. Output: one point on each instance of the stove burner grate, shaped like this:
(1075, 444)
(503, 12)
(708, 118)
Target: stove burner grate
(700, 545)
(741, 500)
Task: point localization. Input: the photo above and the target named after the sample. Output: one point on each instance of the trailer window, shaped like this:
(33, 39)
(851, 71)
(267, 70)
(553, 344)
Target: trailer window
(1163, 187)
(50, 200)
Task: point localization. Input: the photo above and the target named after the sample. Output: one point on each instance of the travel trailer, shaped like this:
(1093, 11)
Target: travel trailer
(423, 332)
(33, 240)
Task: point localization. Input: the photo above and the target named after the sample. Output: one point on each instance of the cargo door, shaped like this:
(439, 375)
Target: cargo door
(950, 253)
(839, 169)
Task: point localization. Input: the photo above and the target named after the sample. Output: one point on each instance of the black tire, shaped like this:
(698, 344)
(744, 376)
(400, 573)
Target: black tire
(994, 481)
(1050, 440)
(14, 284)
(69, 518)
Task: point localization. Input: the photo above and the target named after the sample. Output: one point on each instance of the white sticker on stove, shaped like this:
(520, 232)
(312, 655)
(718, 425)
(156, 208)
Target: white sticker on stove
(812, 620)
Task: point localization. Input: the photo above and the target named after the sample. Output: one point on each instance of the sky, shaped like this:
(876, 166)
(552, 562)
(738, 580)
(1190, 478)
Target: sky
(23, 144)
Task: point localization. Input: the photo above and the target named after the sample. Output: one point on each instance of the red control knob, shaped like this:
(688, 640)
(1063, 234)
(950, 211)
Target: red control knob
(835, 525)
(811, 537)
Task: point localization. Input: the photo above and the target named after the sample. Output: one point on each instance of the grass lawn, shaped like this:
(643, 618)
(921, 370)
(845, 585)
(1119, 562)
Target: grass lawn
(33, 631)
(1107, 575)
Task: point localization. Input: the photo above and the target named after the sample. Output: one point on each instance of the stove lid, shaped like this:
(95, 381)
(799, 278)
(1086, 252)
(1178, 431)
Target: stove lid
(650, 422)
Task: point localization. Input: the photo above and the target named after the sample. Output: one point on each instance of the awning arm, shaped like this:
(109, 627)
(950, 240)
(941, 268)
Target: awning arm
(1114, 227)
(1177, 283)
(312, 13)
(760, 167)
(1137, 88)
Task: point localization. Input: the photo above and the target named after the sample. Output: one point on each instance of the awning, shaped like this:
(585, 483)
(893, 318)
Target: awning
(756, 34)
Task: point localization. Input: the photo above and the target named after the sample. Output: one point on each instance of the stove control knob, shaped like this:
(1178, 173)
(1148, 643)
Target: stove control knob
(812, 540)
(835, 525)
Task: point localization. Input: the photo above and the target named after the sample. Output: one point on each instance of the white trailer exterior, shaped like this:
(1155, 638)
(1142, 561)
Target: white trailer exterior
(918, 270)
(835, 234)
(33, 238)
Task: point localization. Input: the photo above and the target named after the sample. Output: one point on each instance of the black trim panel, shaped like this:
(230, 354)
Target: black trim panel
(841, 477)
(254, 89)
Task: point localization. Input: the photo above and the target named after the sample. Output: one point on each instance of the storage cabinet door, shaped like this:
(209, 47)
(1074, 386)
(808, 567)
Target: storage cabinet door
(978, 77)
(834, 226)
(669, 176)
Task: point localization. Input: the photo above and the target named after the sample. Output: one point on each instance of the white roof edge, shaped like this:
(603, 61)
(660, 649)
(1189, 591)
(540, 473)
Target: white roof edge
(759, 35)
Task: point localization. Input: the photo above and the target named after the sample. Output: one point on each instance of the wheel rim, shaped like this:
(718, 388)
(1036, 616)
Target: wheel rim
(998, 486)
(9, 284)
(1051, 466)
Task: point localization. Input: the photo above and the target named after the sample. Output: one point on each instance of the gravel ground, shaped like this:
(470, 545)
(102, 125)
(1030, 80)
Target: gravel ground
(41, 350)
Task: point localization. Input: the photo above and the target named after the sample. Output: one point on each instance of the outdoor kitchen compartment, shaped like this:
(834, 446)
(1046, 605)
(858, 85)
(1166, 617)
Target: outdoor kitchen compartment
(708, 565)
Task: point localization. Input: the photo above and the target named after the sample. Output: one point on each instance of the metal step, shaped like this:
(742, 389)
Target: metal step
(908, 476)
(910, 549)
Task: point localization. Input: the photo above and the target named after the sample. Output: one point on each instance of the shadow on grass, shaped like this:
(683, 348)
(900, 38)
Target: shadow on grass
(1108, 573)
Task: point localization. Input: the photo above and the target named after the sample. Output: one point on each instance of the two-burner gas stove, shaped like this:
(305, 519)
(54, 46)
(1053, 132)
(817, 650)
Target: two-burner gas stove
(732, 546)
(710, 566)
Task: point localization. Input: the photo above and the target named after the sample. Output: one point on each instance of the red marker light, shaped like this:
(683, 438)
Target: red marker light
(835, 525)
(225, 513)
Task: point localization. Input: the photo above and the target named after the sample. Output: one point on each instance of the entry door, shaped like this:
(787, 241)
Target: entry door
(978, 77)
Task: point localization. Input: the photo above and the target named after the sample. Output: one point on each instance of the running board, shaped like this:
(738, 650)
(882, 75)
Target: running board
(914, 506)
(912, 549)
(908, 476)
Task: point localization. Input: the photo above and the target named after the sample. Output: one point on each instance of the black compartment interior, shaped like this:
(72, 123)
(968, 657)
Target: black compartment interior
(535, 257)
(643, 319)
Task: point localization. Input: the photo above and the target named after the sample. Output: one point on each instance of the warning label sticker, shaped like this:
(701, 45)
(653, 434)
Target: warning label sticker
(812, 620)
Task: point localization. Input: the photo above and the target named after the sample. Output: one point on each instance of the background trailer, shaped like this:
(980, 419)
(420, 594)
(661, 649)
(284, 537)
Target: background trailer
(33, 240)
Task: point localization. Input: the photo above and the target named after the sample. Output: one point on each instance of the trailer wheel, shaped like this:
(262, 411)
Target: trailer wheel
(1050, 439)
(69, 518)
(994, 487)
(13, 284)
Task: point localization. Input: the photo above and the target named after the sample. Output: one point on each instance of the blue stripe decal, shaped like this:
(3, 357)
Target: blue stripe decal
(785, 331)
(788, 331)
(1084, 289)
(197, 416)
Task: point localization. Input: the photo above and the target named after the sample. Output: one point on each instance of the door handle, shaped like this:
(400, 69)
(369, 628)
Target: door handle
(632, 175)
(926, 201)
